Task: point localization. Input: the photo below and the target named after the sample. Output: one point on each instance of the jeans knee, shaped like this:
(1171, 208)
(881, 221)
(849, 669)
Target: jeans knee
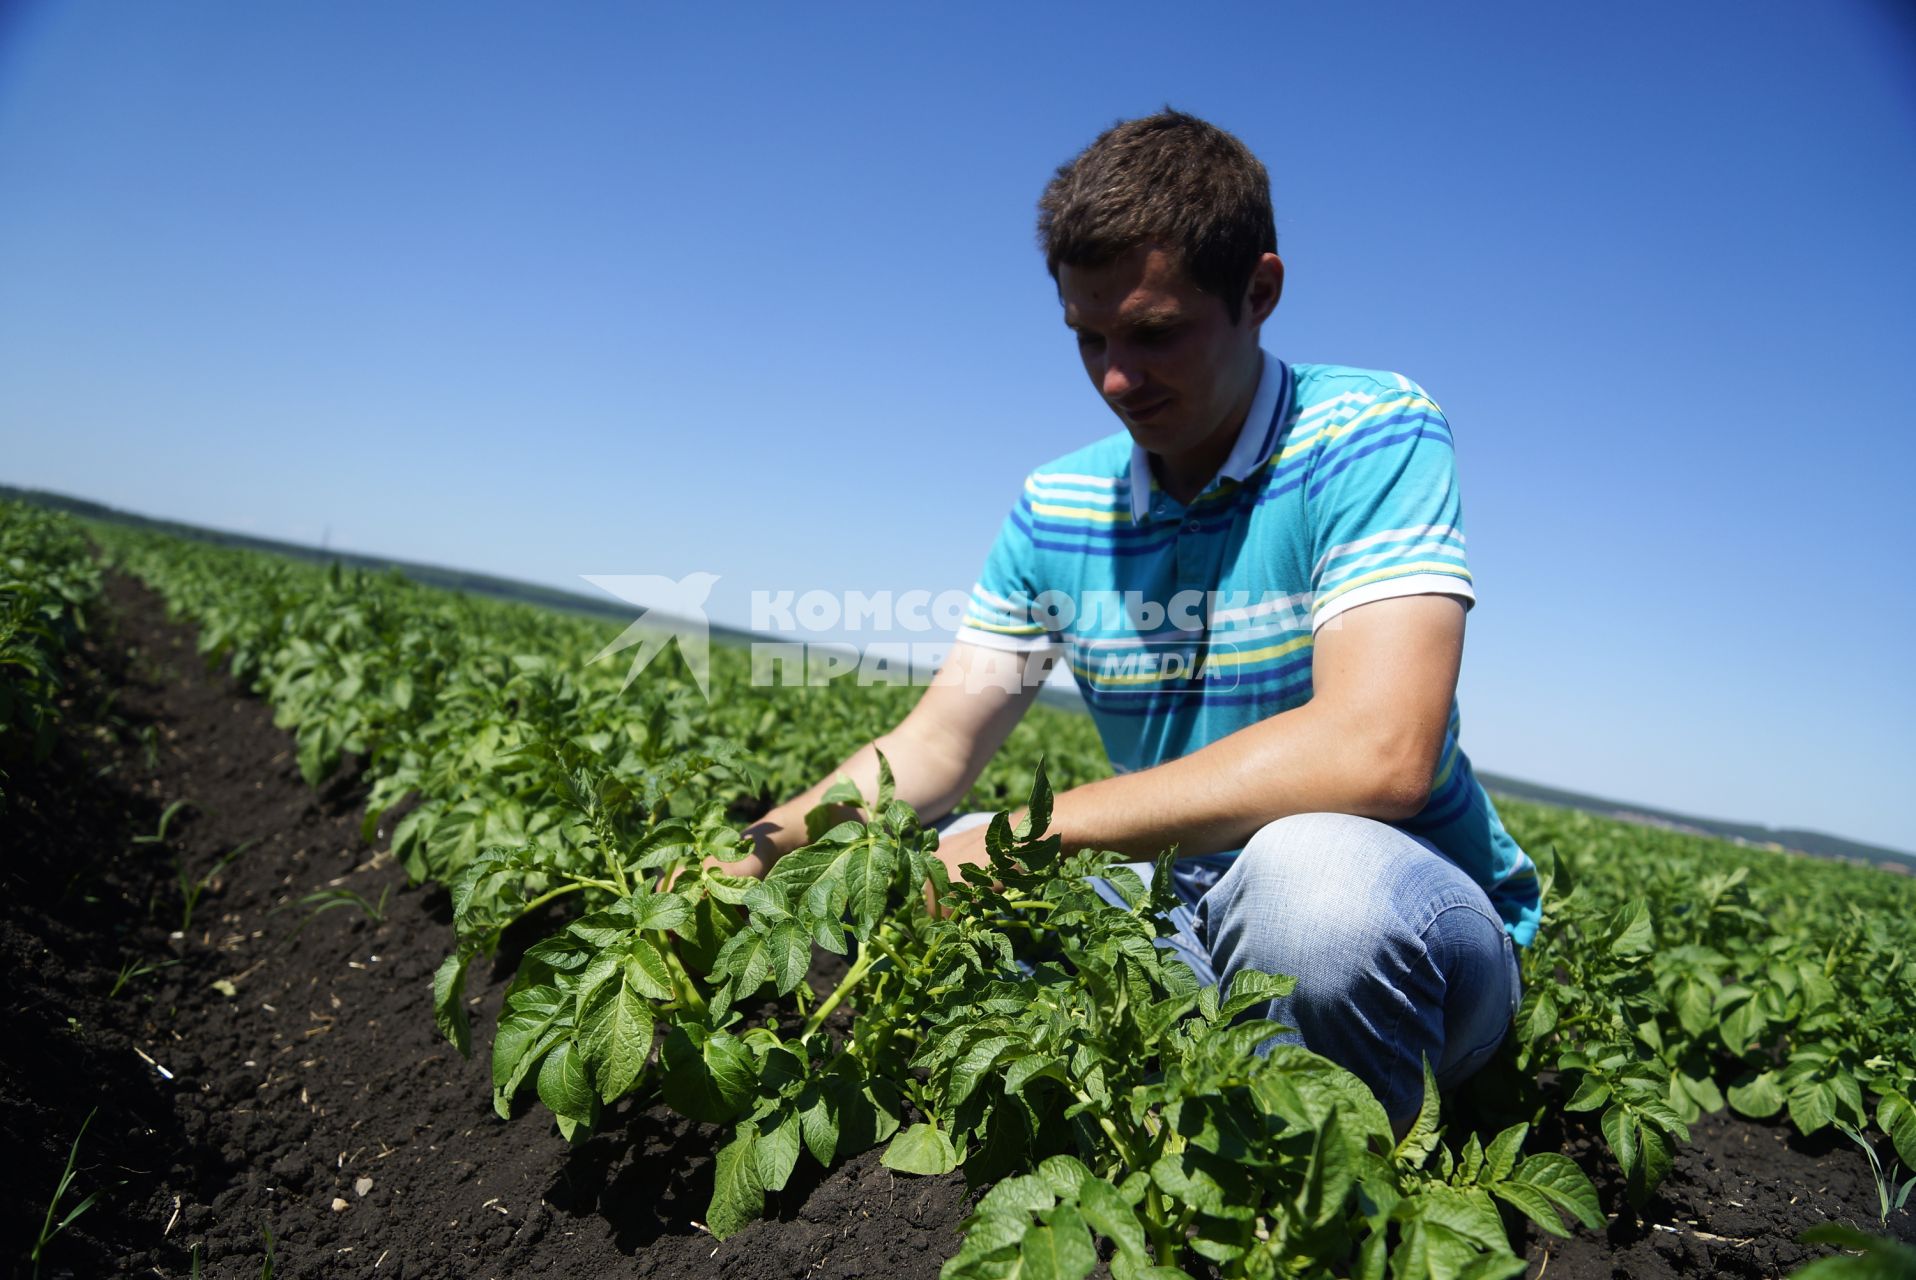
(1318, 871)
(1288, 858)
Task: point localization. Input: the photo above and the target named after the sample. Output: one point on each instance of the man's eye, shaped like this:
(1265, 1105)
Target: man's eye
(1089, 341)
(1154, 337)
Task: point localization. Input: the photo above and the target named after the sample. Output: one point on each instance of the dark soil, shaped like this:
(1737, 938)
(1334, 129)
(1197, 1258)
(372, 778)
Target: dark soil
(309, 1096)
(1740, 1194)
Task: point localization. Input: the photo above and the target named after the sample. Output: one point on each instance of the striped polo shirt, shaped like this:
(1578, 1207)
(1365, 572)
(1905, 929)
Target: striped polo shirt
(1183, 623)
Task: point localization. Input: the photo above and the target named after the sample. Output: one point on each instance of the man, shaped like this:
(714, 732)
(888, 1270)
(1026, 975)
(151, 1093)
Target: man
(1278, 696)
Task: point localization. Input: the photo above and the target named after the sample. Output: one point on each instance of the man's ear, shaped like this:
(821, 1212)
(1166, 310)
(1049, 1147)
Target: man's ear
(1264, 288)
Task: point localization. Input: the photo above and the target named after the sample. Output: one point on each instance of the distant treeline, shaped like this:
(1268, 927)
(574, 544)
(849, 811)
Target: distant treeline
(1811, 842)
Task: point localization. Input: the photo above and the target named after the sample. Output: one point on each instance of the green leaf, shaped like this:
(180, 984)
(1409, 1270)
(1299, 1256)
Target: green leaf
(1104, 1207)
(562, 1083)
(1180, 1175)
(977, 1061)
(713, 922)
(1064, 1175)
(666, 842)
(1882, 1259)
(311, 755)
(661, 911)
(858, 868)
(1059, 1250)
(920, 1149)
(1500, 1157)
(1758, 1098)
(1620, 1131)
(738, 1197)
(1848, 1097)
(449, 1003)
(1333, 1171)
(1491, 1266)
(647, 972)
(1038, 807)
(522, 1039)
(1658, 1156)
(1536, 1016)
(746, 958)
(1742, 1027)
(1464, 1212)
(1897, 1118)
(1812, 1106)
(1017, 1197)
(844, 791)
(1630, 931)
(615, 1034)
(709, 1075)
(777, 1151)
(1558, 1179)
(602, 928)
(1250, 988)
(1695, 1007)
(1033, 1066)
(1592, 1092)
(1532, 1203)
(989, 1250)
(790, 952)
(603, 968)
(1422, 1138)
(1704, 1092)
(818, 1122)
(1471, 1162)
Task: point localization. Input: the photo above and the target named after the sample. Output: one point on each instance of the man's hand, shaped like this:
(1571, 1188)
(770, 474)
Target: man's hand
(967, 848)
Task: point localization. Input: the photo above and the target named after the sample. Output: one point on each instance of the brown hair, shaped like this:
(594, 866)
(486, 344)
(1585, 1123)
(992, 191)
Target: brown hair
(1169, 179)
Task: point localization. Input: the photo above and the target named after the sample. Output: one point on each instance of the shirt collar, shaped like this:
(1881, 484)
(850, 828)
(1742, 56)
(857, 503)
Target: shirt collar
(1254, 440)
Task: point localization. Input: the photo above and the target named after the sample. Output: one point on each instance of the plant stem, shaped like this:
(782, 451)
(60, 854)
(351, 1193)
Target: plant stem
(867, 957)
(587, 882)
(1162, 1241)
(1110, 1128)
(549, 895)
(685, 987)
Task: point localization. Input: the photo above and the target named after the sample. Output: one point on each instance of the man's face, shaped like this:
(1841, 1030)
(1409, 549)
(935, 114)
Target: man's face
(1162, 352)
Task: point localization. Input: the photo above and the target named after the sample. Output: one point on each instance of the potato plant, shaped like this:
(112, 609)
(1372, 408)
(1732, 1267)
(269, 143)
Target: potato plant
(47, 580)
(1028, 1032)
(1025, 1030)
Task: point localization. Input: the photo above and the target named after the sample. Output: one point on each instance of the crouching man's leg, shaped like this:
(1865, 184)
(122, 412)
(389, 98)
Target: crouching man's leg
(1398, 954)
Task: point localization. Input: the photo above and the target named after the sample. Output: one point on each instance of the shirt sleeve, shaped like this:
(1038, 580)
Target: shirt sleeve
(1004, 612)
(1386, 518)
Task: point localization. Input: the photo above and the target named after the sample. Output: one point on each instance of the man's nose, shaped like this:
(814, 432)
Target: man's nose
(1120, 377)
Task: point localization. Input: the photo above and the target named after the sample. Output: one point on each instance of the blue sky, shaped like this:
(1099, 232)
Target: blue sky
(593, 288)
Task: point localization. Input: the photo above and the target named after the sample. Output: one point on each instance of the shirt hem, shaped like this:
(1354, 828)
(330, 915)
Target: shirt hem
(1004, 643)
(1413, 584)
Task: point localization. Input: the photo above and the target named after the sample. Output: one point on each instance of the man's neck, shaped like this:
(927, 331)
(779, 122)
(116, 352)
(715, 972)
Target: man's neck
(1185, 475)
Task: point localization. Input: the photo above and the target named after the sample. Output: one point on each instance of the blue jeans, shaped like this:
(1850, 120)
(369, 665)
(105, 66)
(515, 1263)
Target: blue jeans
(1398, 954)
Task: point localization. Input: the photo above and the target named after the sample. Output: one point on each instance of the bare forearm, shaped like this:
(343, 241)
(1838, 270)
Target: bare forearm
(925, 778)
(1301, 761)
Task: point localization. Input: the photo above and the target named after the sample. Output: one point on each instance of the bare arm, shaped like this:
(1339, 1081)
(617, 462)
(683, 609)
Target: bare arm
(936, 752)
(1367, 743)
